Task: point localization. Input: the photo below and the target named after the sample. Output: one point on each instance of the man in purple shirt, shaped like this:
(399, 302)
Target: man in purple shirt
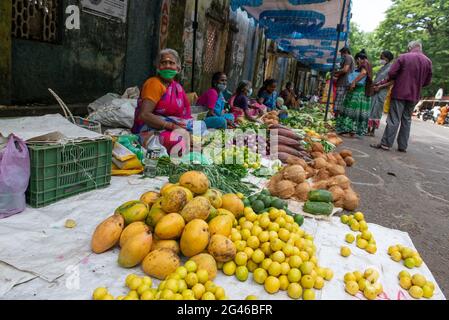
(411, 72)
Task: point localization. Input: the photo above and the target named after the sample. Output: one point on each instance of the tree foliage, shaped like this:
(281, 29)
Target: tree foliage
(424, 20)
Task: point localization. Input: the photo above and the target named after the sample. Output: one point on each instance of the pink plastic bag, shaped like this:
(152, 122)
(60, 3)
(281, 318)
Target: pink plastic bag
(14, 176)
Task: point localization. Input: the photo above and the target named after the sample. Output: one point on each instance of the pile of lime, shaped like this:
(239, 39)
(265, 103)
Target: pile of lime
(188, 282)
(416, 285)
(366, 282)
(279, 254)
(365, 239)
(262, 203)
(411, 257)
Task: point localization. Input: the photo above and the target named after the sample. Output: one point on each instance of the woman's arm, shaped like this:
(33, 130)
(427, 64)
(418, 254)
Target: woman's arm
(362, 75)
(154, 121)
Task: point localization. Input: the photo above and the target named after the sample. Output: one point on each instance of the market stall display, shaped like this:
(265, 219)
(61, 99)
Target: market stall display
(242, 238)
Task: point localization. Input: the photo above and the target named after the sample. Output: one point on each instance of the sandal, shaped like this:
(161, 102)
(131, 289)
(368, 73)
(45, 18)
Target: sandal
(379, 146)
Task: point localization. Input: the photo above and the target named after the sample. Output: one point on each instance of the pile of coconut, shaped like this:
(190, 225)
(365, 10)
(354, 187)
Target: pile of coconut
(325, 172)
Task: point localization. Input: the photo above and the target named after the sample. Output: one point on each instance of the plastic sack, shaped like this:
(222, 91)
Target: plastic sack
(14, 176)
(113, 111)
(155, 144)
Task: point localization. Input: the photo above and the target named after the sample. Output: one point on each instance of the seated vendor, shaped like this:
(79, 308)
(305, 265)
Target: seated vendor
(269, 94)
(214, 100)
(241, 106)
(282, 108)
(163, 105)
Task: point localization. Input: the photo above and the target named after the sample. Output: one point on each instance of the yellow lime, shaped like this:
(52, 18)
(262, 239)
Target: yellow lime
(416, 292)
(344, 219)
(359, 216)
(352, 287)
(260, 275)
(319, 283)
(419, 280)
(294, 290)
(198, 290)
(283, 282)
(241, 273)
(190, 266)
(241, 258)
(99, 293)
(409, 263)
(349, 238)
(370, 292)
(307, 282)
(191, 279)
(396, 256)
(345, 251)
(308, 294)
(294, 275)
(219, 293)
(272, 285)
(258, 256)
(229, 268)
(274, 269)
(427, 292)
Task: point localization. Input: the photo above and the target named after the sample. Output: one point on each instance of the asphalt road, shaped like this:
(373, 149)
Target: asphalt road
(409, 192)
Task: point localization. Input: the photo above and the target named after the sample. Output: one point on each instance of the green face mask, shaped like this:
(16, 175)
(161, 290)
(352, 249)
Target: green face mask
(167, 73)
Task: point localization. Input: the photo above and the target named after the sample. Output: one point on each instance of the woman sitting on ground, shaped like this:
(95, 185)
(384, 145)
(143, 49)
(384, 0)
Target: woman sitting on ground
(268, 93)
(163, 105)
(214, 100)
(241, 106)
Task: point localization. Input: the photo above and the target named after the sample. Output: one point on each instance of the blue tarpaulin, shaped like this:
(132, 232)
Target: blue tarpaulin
(305, 28)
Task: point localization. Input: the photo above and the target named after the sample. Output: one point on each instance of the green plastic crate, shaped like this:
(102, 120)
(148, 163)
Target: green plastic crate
(61, 171)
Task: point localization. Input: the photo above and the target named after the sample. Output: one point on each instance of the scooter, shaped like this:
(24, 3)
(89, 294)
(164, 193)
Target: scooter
(427, 115)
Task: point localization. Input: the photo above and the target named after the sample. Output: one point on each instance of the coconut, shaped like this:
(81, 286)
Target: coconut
(345, 153)
(339, 203)
(310, 172)
(331, 158)
(317, 147)
(294, 173)
(323, 174)
(320, 185)
(296, 161)
(319, 163)
(349, 161)
(341, 181)
(317, 155)
(285, 189)
(278, 177)
(302, 191)
(335, 170)
(351, 200)
(337, 193)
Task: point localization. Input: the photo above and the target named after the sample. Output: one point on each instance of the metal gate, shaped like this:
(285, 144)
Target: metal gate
(36, 19)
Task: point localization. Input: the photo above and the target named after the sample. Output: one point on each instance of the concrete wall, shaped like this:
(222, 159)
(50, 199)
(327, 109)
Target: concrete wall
(5, 51)
(142, 41)
(102, 56)
(220, 10)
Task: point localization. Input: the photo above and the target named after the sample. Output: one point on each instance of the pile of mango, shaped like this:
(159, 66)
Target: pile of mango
(187, 218)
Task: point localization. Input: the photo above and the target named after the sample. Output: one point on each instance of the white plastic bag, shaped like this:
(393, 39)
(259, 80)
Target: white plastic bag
(113, 112)
(14, 176)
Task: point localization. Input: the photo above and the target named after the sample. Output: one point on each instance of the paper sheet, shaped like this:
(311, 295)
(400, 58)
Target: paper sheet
(31, 127)
(37, 242)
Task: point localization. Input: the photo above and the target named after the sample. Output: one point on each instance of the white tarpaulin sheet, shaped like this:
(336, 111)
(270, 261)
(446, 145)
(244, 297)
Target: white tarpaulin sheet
(31, 127)
(36, 243)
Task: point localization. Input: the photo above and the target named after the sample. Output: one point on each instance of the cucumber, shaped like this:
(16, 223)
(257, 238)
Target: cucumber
(320, 196)
(318, 208)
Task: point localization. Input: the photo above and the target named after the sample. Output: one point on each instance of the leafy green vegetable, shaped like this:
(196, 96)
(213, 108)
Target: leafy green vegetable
(225, 179)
